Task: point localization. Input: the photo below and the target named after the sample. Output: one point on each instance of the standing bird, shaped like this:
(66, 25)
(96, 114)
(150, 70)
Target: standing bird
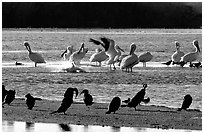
(192, 56)
(35, 57)
(145, 57)
(88, 99)
(130, 60)
(4, 93)
(109, 46)
(67, 53)
(77, 56)
(186, 102)
(137, 99)
(114, 105)
(118, 49)
(30, 101)
(98, 56)
(67, 100)
(176, 57)
(9, 97)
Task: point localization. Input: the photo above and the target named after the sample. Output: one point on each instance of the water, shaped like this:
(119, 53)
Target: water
(16, 126)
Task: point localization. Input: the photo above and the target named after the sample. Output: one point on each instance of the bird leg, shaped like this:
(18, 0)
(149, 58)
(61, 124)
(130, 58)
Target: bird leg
(35, 64)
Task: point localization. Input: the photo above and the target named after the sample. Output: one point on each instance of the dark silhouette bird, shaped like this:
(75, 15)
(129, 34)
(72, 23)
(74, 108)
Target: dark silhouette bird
(4, 93)
(65, 127)
(137, 99)
(30, 101)
(186, 102)
(88, 99)
(9, 97)
(126, 101)
(197, 64)
(114, 105)
(147, 100)
(67, 100)
(18, 63)
(167, 63)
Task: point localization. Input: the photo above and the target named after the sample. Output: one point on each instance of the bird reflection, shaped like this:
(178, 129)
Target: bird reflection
(65, 127)
(115, 129)
(29, 125)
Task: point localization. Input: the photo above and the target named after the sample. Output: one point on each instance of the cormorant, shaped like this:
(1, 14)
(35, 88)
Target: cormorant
(186, 102)
(9, 97)
(114, 105)
(137, 99)
(67, 100)
(88, 99)
(4, 92)
(30, 101)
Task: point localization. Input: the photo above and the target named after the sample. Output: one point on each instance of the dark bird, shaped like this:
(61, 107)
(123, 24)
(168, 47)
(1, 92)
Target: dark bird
(191, 65)
(4, 93)
(182, 63)
(114, 105)
(197, 64)
(137, 99)
(18, 63)
(147, 100)
(167, 63)
(9, 97)
(67, 100)
(30, 101)
(186, 102)
(126, 101)
(88, 99)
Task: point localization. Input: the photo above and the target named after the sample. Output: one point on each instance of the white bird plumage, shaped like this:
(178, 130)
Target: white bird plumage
(77, 56)
(98, 56)
(68, 52)
(145, 57)
(131, 60)
(192, 56)
(176, 57)
(35, 57)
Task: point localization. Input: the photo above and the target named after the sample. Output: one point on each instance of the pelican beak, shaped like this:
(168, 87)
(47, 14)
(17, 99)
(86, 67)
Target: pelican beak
(121, 49)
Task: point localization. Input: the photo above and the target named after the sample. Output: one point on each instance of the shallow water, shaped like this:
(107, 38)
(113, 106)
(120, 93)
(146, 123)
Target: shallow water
(15, 126)
(169, 95)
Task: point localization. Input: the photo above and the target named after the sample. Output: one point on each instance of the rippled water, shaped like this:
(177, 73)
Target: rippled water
(15, 126)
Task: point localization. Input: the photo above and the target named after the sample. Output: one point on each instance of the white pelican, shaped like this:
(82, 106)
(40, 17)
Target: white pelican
(192, 56)
(77, 56)
(130, 60)
(35, 57)
(118, 49)
(109, 46)
(98, 56)
(176, 57)
(145, 57)
(68, 52)
(121, 58)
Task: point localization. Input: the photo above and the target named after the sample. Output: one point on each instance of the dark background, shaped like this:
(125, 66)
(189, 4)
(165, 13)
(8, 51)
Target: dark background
(101, 15)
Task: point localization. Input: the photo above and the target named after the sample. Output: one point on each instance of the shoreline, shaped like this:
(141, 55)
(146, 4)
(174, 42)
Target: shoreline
(150, 116)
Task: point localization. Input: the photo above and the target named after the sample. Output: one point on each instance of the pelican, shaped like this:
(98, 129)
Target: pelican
(118, 49)
(121, 58)
(109, 46)
(192, 56)
(98, 56)
(130, 60)
(68, 52)
(77, 56)
(35, 57)
(145, 57)
(176, 57)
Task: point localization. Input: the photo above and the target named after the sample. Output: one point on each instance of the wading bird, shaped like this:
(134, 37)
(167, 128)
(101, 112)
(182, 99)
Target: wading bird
(88, 99)
(109, 46)
(35, 57)
(192, 56)
(9, 97)
(176, 57)
(114, 105)
(30, 101)
(67, 53)
(67, 100)
(145, 57)
(98, 56)
(186, 102)
(77, 56)
(131, 60)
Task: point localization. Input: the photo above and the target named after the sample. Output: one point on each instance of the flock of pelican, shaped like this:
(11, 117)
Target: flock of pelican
(112, 53)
